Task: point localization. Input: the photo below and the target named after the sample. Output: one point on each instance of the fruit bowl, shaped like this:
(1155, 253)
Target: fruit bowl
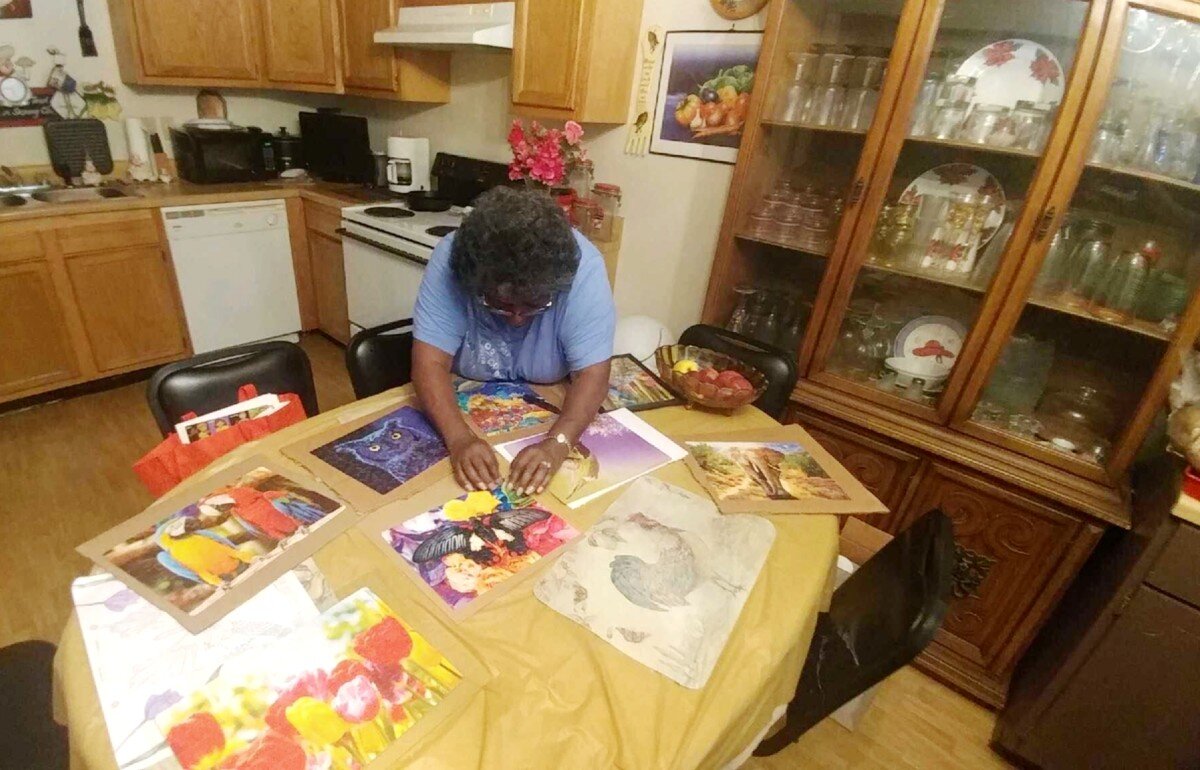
(709, 390)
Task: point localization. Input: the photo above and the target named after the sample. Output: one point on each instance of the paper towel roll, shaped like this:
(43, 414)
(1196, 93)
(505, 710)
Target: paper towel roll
(141, 167)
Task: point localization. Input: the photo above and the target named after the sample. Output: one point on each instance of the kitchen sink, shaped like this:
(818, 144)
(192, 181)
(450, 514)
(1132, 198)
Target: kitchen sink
(78, 195)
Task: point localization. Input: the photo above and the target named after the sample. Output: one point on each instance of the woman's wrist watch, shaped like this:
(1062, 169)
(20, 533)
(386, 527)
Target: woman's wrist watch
(560, 439)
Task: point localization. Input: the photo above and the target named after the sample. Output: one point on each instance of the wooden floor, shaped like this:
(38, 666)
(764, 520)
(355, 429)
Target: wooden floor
(65, 477)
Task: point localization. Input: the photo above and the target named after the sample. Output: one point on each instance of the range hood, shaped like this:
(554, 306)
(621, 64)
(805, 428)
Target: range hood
(477, 25)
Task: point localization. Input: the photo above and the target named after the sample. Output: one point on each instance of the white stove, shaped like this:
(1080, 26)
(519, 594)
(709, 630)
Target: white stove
(386, 249)
(395, 219)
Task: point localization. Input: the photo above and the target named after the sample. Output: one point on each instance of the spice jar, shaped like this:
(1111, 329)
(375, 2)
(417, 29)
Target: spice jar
(590, 219)
(609, 198)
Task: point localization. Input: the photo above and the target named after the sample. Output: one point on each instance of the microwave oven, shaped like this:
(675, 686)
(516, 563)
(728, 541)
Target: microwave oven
(207, 156)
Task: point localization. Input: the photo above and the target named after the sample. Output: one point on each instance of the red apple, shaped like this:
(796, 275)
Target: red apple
(706, 390)
(730, 378)
(709, 374)
(726, 392)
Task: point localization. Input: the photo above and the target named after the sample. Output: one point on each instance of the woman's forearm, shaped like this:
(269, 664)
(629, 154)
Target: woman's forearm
(432, 382)
(585, 394)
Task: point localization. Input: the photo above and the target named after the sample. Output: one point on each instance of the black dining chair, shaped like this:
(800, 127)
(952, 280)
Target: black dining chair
(380, 358)
(210, 381)
(776, 364)
(30, 739)
(879, 621)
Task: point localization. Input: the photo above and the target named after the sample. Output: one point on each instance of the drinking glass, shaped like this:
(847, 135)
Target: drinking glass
(796, 99)
(1029, 121)
(926, 106)
(740, 318)
(948, 119)
(1106, 147)
(1088, 262)
(983, 122)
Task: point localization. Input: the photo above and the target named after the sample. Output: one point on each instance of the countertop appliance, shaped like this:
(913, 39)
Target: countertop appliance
(387, 246)
(337, 147)
(208, 156)
(473, 25)
(287, 149)
(408, 164)
(234, 265)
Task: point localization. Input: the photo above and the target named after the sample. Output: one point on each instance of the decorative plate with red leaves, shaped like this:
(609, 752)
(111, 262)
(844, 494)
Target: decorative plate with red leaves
(1009, 71)
(962, 181)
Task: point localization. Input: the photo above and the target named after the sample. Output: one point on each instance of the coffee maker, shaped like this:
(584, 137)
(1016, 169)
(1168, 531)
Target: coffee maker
(408, 164)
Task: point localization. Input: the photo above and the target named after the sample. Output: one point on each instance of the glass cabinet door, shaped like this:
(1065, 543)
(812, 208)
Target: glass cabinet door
(1086, 365)
(969, 141)
(826, 84)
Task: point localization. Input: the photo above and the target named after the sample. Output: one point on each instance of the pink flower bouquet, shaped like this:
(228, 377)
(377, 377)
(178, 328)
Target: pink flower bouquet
(545, 155)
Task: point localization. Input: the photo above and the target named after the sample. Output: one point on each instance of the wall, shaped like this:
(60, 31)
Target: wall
(55, 23)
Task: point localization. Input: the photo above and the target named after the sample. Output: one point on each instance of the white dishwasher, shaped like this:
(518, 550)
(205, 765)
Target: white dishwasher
(234, 265)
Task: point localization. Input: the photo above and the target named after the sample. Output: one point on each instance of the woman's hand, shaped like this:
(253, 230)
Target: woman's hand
(535, 465)
(474, 463)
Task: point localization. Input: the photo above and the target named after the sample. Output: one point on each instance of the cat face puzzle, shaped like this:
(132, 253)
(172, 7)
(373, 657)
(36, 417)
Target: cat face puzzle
(386, 455)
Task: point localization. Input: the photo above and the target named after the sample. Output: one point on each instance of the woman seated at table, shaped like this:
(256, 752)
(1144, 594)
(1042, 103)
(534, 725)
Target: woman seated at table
(513, 294)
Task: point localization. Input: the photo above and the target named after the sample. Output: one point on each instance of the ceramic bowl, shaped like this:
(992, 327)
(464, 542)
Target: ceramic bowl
(909, 367)
(667, 356)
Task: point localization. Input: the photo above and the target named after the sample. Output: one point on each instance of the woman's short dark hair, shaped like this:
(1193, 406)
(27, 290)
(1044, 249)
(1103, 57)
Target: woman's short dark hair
(516, 237)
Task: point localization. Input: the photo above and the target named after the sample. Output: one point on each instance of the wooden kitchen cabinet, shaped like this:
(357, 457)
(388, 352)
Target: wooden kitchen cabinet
(574, 59)
(329, 285)
(1016, 556)
(128, 304)
(385, 71)
(35, 348)
(300, 42)
(189, 42)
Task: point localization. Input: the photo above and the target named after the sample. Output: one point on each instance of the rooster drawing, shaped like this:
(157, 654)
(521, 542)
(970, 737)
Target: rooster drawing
(479, 537)
(683, 564)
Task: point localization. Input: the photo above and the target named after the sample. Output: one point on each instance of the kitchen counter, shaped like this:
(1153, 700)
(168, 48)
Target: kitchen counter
(180, 193)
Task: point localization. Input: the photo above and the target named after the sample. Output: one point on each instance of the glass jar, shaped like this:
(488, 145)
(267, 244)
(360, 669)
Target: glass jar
(926, 106)
(877, 249)
(958, 88)
(796, 99)
(1088, 263)
(982, 122)
(740, 318)
(609, 198)
(580, 179)
(1028, 124)
(948, 120)
(1117, 297)
(1077, 418)
(1052, 278)
(1106, 147)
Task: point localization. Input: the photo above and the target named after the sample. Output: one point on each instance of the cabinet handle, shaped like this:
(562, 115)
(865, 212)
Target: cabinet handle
(856, 192)
(1043, 226)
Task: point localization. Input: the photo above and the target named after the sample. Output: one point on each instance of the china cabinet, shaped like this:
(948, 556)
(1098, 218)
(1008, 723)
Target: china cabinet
(975, 226)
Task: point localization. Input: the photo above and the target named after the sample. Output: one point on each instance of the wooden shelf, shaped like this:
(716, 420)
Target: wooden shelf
(972, 146)
(746, 236)
(1147, 175)
(815, 127)
(1136, 326)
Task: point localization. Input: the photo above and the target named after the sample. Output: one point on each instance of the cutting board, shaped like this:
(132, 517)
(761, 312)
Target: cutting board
(71, 142)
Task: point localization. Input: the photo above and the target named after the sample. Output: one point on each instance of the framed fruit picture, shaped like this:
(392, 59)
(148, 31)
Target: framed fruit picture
(704, 94)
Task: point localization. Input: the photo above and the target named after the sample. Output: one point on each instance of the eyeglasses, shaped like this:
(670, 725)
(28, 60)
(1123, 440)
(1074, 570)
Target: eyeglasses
(515, 311)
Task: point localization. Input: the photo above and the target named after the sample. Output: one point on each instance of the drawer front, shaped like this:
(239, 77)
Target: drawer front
(1016, 555)
(323, 219)
(19, 242)
(1177, 569)
(888, 471)
(110, 230)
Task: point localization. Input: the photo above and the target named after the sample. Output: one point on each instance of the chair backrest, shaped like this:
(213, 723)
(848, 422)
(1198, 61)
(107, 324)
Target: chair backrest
(881, 617)
(210, 381)
(776, 364)
(380, 358)
(30, 738)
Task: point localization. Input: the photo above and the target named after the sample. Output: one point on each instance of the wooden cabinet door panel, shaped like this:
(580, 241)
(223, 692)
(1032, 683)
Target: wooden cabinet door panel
(547, 43)
(19, 242)
(366, 65)
(127, 303)
(888, 471)
(329, 285)
(299, 39)
(1016, 555)
(210, 39)
(35, 350)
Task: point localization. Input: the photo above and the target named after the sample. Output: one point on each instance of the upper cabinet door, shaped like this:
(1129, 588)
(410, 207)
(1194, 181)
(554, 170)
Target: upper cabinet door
(813, 119)
(198, 39)
(1082, 367)
(547, 44)
(299, 36)
(981, 126)
(366, 65)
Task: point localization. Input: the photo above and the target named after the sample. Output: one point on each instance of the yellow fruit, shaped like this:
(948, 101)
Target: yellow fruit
(685, 366)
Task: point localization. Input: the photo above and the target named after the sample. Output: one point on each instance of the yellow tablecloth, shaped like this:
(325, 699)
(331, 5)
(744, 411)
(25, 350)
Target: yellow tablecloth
(560, 697)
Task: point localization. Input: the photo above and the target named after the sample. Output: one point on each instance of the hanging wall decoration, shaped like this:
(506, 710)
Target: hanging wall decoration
(704, 94)
(737, 9)
(16, 9)
(639, 131)
(21, 104)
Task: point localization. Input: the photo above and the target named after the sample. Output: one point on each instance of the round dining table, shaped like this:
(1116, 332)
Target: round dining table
(558, 695)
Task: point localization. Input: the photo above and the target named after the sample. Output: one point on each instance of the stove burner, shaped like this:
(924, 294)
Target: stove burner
(387, 212)
(440, 230)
